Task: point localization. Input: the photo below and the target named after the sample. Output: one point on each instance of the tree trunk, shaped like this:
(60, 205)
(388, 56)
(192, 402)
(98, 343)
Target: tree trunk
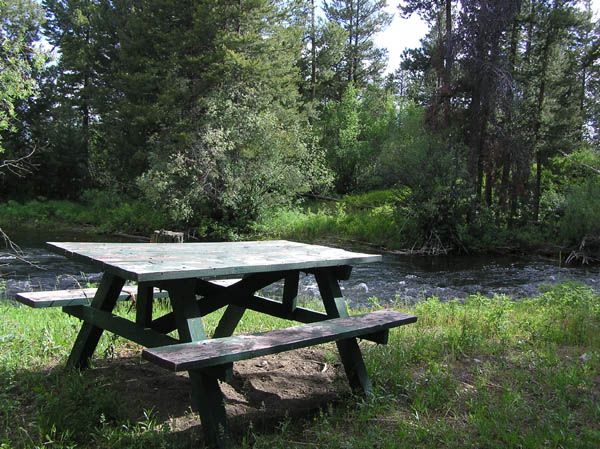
(313, 52)
(507, 159)
(448, 61)
(351, 56)
(85, 104)
(355, 48)
(537, 126)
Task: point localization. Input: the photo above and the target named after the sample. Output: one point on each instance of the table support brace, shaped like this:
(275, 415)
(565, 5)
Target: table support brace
(350, 354)
(87, 340)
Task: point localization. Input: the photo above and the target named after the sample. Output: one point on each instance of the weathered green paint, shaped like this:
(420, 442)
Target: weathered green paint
(143, 304)
(350, 354)
(179, 269)
(73, 297)
(258, 304)
(290, 292)
(341, 273)
(331, 294)
(246, 286)
(120, 326)
(210, 404)
(186, 310)
(105, 299)
(214, 352)
(229, 321)
(207, 397)
(165, 323)
(225, 328)
(164, 261)
(276, 308)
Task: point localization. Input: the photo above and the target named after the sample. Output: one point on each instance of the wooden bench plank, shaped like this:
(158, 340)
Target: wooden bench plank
(84, 296)
(73, 297)
(213, 352)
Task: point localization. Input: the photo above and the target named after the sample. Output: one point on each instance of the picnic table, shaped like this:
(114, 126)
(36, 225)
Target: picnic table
(197, 280)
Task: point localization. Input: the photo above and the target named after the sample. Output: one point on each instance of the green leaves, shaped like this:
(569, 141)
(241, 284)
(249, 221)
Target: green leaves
(20, 57)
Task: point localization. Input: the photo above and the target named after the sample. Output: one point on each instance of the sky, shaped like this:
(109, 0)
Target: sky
(406, 33)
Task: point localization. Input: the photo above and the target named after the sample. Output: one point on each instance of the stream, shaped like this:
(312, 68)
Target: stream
(398, 277)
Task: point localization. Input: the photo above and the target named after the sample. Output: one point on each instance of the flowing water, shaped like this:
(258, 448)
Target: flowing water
(405, 278)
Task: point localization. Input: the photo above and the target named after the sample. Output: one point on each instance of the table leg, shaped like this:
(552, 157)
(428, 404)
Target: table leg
(143, 304)
(350, 354)
(207, 397)
(87, 340)
(229, 321)
(290, 292)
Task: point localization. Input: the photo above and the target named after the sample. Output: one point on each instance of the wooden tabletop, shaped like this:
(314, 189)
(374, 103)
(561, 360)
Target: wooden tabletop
(162, 261)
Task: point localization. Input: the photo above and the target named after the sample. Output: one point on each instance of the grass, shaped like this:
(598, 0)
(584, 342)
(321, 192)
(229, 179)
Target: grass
(104, 211)
(483, 373)
(376, 218)
(390, 219)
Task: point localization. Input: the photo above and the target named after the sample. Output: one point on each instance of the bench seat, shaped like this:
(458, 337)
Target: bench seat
(219, 351)
(84, 296)
(73, 297)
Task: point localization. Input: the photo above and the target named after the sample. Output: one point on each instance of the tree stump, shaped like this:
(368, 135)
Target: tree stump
(163, 236)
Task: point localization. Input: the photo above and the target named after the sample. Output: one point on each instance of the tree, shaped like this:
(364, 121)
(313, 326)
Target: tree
(440, 46)
(322, 54)
(85, 33)
(235, 142)
(361, 20)
(20, 58)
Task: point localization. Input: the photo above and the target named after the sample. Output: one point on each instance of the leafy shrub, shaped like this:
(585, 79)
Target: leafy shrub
(582, 211)
(244, 160)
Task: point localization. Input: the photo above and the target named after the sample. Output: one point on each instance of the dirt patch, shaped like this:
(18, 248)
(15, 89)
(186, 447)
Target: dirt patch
(264, 391)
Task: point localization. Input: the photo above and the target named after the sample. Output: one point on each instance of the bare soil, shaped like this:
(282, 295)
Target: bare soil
(264, 392)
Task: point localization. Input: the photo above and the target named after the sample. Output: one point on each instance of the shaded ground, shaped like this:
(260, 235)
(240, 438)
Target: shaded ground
(264, 391)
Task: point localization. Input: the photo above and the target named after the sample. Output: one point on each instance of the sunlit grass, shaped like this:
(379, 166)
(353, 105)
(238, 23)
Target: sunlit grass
(375, 218)
(483, 373)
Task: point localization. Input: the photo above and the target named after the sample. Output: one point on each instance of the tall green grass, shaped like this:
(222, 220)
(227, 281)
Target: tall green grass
(106, 211)
(375, 218)
(480, 373)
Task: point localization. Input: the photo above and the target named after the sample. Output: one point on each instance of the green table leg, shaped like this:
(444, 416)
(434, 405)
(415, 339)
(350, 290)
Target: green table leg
(350, 354)
(210, 404)
(89, 335)
(207, 397)
(225, 328)
(143, 304)
(290, 292)
(229, 321)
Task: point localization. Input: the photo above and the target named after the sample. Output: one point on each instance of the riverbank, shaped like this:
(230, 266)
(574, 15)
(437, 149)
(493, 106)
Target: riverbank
(386, 220)
(484, 373)
(96, 212)
(380, 219)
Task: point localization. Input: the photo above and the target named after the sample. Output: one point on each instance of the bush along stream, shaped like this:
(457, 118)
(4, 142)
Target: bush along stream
(390, 220)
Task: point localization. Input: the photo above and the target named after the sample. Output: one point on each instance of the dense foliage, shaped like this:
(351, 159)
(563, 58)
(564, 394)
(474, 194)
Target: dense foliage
(216, 113)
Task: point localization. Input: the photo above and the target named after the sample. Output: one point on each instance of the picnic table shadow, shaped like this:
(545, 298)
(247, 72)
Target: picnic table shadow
(264, 392)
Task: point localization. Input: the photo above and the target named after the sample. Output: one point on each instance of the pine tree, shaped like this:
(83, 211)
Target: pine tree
(361, 20)
(20, 59)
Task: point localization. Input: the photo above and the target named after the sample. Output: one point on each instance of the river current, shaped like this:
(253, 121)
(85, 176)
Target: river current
(397, 278)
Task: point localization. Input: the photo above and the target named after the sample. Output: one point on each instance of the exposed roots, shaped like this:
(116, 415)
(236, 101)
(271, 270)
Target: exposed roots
(588, 251)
